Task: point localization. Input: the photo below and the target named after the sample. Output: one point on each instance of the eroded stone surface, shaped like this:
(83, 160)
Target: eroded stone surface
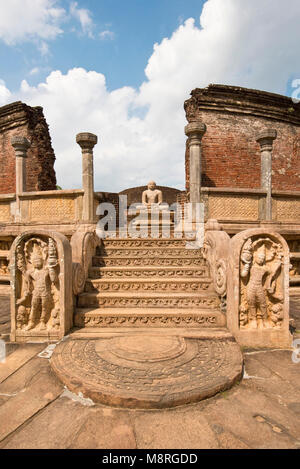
(147, 371)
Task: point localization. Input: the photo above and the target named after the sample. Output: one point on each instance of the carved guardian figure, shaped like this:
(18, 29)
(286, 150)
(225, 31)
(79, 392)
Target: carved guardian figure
(38, 264)
(261, 295)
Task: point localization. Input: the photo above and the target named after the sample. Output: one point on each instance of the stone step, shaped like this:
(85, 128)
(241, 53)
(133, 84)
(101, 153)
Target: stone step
(295, 280)
(146, 242)
(295, 255)
(4, 254)
(146, 272)
(99, 261)
(152, 299)
(155, 284)
(148, 317)
(151, 251)
(4, 279)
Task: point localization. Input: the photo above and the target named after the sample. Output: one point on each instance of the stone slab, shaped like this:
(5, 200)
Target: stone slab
(147, 371)
(20, 408)
(160, 430)
(14, 361)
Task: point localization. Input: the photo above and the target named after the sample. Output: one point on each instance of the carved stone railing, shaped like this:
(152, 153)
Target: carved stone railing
(83, 245)
(41, 286)
(243, 208)
(216, 252)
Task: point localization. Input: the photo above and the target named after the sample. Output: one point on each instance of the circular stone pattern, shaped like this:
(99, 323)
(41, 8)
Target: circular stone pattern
(147, 371)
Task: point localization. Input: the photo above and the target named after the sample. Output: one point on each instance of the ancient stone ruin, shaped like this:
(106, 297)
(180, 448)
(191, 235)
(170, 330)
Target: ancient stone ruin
(155, 299)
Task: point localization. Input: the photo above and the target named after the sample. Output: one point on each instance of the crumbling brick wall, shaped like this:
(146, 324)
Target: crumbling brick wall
(230, 153)
(19, 119)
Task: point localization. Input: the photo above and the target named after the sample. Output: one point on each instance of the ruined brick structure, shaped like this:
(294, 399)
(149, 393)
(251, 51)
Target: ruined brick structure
(230, 153)
(19, 119)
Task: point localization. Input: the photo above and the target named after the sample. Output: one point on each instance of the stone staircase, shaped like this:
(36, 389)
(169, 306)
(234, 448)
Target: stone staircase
(148, 282)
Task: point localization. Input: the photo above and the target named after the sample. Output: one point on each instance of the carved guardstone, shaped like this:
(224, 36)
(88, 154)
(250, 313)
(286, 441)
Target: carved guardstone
(215, 252)
(41, 283)
(258, 289)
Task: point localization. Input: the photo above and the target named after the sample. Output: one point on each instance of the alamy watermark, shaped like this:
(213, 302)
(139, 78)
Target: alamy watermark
(296, 351)
(152, 221)
(2, 351)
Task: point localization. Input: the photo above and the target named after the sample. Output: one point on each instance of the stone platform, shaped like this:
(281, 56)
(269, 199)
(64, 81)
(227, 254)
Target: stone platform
(148, 371)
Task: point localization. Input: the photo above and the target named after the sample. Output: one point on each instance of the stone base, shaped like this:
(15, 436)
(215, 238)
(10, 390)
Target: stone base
(262, 338)
(148, 371)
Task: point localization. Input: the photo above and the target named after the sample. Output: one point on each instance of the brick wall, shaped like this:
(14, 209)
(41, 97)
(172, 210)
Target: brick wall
(19, 119)
(230, 153)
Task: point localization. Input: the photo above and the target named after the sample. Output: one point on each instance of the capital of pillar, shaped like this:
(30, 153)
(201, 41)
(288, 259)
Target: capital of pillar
(266, 138)
(195, 131)
(20, 145)
(86, 141)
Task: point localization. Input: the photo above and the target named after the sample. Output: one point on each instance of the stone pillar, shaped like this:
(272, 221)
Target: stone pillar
(265, 139)
(87, 142)
(195, 131)
(21, 145)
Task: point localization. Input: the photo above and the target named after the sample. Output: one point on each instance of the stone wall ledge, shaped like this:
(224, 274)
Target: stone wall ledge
(7, 197)
(234, 190)
(56, 193)
(292, 194)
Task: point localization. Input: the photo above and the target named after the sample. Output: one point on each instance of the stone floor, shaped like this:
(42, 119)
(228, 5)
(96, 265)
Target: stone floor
(263, 411)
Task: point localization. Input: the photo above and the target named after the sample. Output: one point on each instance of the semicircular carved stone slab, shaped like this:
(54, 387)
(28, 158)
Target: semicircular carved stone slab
(41, 282)
(148, 371)
(258, 289)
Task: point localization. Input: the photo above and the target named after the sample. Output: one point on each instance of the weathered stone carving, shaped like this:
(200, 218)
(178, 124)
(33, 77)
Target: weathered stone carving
(95, 272)
(101, 262)
(215, 252)
(147, 371)
(152, 195)
(37, 261)
(4, 267)
(41, 290)
(209, 319)
(261, 284)
(84, 244)
(258, 289)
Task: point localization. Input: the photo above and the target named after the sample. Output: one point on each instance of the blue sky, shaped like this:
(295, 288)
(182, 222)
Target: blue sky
(132, 27)
(123, 70)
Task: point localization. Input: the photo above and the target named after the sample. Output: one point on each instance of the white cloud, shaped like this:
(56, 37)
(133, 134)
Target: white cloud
(107, 34)
(39, 21)
(34, 71)
(5, 94)
(140, 132)
(43, 47)
(84, 16)
(23, 20)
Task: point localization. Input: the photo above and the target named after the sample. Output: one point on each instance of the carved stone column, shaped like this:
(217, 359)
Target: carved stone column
(87, 141)
(21, 145)
(195, 131)
(265, 139)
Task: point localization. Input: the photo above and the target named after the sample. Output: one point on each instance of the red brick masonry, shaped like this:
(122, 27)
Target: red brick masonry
(230, 153)
(19, 119)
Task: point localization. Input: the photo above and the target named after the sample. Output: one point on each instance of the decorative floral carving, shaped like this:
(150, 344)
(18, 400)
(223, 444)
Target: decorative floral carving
(207, 320)
(4, 267)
